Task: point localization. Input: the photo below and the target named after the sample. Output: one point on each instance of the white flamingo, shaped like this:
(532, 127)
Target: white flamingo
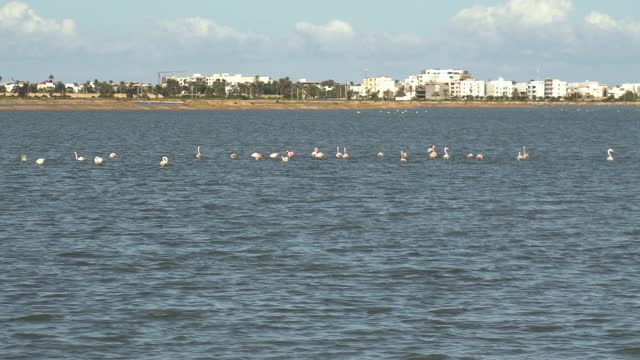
(470, 156)
(79, 158)
(233, 156)
(98, 160)
(338, 153)
(403, 156)
(23, 157)
(479, 157)
(446, 153)
(433, 154)
(380, 155)
(525, 154)
(609, 152)
(113, 155)
(345, 155)
(164, 162)
(40, 161)
(198, 154)
(274, 156)
(519, 157)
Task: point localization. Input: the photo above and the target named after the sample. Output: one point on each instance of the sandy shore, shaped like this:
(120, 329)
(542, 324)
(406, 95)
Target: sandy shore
(108, 104)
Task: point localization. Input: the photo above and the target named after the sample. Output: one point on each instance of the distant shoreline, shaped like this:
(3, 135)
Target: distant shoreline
(138, 105)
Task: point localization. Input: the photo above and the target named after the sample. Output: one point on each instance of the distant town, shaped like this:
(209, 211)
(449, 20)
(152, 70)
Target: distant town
(429, 84)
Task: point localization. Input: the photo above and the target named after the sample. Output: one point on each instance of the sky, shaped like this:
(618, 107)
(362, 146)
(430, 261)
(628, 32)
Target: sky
(124, 40)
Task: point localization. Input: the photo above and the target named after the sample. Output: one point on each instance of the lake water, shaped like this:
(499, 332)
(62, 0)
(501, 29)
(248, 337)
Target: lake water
(333, 259)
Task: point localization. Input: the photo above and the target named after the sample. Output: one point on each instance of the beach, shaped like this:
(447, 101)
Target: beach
(270, 104)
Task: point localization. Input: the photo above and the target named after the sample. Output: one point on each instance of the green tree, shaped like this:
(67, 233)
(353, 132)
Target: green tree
(629, 96)
(60, 88)
(22, 90)
(217, 89)
(104, 89)
(574, 96)
(51, 77)
(329, 83)
(200, 88)
(172, 88)
(284, 87)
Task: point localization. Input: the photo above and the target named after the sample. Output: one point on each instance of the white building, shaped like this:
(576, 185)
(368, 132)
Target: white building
(633, 87)
(410, 83)
(535, 89)
(9, 87)
(616, 91)
(73, 87)
(236, 79)
(473, 88)
(46, 85)
(587, 89)
(522, 88)
(185, 81)
(500, 87)
(555, 88)
(442, 76)
(378, 85)
(356, 89)
(453, 87)
(229, 79)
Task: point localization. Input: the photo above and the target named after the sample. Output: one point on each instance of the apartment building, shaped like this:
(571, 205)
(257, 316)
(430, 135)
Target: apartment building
(442, 76)
(378, 85)
(500, 87)
(555, 88)
(475, 88)
(587, 89)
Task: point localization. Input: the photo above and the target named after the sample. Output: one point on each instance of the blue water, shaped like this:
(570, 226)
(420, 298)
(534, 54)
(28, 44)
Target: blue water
(333, 259)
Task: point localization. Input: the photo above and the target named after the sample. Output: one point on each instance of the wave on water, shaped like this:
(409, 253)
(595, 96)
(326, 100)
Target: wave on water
(35, 318)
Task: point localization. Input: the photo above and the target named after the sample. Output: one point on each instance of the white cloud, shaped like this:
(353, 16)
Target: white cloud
(604, 22)
(339, 37)
(492, 21)
(334, 30)
(205, 29)
(539, 12)
(18, 17)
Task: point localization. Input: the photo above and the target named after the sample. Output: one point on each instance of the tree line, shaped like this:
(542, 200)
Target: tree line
(282, 88)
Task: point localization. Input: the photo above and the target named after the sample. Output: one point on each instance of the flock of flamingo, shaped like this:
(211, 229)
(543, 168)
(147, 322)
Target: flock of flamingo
(316, 154)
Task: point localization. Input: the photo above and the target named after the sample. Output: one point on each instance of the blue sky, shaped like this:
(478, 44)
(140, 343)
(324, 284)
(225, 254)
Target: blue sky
(78, 40)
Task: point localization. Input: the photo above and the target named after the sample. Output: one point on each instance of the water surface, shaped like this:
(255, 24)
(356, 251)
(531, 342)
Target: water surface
(331, 259)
